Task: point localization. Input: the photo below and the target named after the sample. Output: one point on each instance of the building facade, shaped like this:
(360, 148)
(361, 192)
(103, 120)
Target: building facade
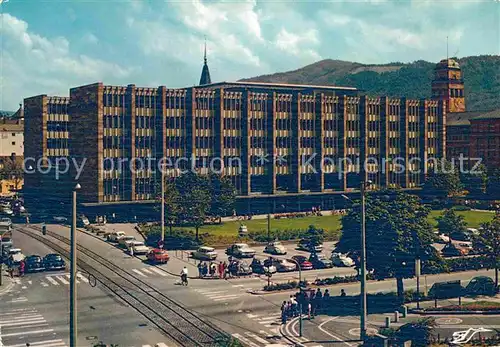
(274, 140)
(485, 138)
(448, 85)
(11, 155)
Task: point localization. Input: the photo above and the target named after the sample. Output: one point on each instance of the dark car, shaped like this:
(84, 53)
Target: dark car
(306, 245)
(481, 285)
(239, 268)
(319, 261)
(54, 262)
(33, 263)
(261, 267)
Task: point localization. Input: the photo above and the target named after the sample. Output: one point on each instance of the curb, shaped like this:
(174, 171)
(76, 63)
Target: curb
(289, 338)
(451, 312)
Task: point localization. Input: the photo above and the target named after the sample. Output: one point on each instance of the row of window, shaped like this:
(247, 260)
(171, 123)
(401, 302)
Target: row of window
(57, 126)
(57, 108)
(54, 143)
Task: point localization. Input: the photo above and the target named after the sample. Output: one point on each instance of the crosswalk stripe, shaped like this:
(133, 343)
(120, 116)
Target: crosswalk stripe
(22, 319)
(44, 284)
(146, 345)
(161, 344)
(244, 340)
(51, 280)
(147, 271)
(62, 279)
(139, 273)
(227, 297)
(68, 276)
(83, 278)
(251, 316)
(39, 323)
(158, 271)
(215, 293)
(256, 337)
(32, 332)
(42, 343)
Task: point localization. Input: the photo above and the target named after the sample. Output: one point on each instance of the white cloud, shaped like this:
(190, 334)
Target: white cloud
(33, 64)
(294, 43)
(90, 38)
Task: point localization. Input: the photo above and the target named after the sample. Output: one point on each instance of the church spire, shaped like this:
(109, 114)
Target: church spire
(205, 72)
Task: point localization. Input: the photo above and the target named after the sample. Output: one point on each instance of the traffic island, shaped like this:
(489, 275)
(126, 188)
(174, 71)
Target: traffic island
(491, 307)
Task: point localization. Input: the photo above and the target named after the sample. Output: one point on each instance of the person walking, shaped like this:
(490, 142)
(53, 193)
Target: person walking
(200, 269)
(284, 313)
(131, 251)
(318, 298)
(293, 307)
(221, 270)
(205, 269)
(21, 268)
(226, 271)
(342, 293)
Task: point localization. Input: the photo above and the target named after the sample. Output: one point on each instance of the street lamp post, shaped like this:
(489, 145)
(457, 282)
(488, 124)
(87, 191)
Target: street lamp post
(163, 204)
(72, 293)
(300, 291)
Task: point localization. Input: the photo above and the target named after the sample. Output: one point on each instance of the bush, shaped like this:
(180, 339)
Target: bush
(462, 208)
(179, 239)
(290, 234)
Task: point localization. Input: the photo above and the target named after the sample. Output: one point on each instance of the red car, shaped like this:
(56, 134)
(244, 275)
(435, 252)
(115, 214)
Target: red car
(303, 262)
(158, 255)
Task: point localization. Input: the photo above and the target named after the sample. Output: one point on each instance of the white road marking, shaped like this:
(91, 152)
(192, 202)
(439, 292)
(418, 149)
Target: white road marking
(146, 345)
(62, 279)
(22, 319)
(24, 287)
(237, 285)
(42, 343)
(244, 340)
(158, 271)
(30, 282)
(147, 271)
(81, 277)
(32, 332)
(227, 297)
(41, 322)
(256, 338)
(161, 344)
(215, 293)
(139, 273)
(51, 280)
(251, 316)
(320, 327)
(44, 284)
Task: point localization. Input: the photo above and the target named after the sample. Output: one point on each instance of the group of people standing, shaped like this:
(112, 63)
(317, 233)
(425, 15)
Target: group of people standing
(212, 269)
(310, 302)
(20, 268)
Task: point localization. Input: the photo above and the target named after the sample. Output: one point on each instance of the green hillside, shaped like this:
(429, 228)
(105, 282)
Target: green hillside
(413, 80)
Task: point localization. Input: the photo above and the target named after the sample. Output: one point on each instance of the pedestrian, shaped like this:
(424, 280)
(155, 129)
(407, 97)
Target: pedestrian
(226, 271)
(213, 269)
(11, 271)
(221, 270)
(293, 307)
(284, 312)
(131, 250)
(205, 269)
(326, 295)
(342, 293)
(200, 269)
(318, 298)
(21, 268)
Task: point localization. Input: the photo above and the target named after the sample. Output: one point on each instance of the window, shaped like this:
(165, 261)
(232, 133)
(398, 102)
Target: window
(13, 143)
(13, 134)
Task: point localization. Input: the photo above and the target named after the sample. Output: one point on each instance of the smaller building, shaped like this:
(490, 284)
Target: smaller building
(11, 153)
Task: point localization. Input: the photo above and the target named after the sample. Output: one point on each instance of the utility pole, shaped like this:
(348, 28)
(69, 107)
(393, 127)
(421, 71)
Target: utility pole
(163, 203)
(363, 263)
(72, 293)
(269, 227)
(417, 274)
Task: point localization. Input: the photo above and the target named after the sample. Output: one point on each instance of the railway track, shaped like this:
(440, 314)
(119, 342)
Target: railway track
(170, 317)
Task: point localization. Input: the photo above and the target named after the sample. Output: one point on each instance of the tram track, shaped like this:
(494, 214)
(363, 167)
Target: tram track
(170, 317)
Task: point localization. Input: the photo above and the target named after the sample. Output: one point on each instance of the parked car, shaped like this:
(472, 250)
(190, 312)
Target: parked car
(319, 261)
(303, 262)
(456, 249)
(283, 265)
(124, 240)
(275, 247)
(60, 219)
(7, 211)
(204, 253)
(15, 256)
(53, 262)
(481, 285)
(261, 267)
(138, 247)
(239, 268)
(305, 245)
(339, 259)
(82, 221)
(115, 236)
(240, 250)
(158, 255)
(34, 263)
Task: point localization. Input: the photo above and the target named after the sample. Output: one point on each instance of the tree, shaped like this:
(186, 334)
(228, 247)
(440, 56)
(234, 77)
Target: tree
(451, 222)
(488, 242)
(314, 236)
(444, 178)
(493, 185)
(223, 196)
(397, 232)
(13, 169)
(194, 192)
(420, 332)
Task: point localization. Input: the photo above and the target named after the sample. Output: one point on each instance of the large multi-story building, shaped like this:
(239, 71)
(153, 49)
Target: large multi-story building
(288, 145)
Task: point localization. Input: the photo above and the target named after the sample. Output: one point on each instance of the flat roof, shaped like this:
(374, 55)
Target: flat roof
(275, 85)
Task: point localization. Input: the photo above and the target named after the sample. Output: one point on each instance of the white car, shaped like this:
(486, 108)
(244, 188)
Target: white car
(240, 250)
(138, 247)
(125, 240)
(339, 259)
(275, 248)
(115, 236)
(204, 253)
(284, 265)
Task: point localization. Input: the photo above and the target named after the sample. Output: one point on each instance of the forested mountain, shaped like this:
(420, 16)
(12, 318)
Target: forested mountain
(413, 80)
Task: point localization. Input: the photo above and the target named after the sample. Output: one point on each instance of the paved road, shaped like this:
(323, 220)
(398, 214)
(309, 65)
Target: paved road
(253, 319)
(36, 311)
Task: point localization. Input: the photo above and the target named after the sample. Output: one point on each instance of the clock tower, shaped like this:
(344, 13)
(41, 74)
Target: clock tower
(448, 85)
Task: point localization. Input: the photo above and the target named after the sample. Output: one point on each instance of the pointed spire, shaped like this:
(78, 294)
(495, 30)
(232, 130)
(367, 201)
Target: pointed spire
(205, 72)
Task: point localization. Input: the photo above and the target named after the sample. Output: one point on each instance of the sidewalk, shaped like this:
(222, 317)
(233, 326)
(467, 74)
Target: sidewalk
(7, 283)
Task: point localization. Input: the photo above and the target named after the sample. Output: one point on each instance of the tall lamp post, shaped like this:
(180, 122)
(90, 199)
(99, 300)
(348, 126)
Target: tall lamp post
(72, 293)
(163, 203)
(363, 314)
(300, 291)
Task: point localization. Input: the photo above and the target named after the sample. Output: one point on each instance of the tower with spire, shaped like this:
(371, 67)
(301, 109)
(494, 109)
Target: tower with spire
(205, 72)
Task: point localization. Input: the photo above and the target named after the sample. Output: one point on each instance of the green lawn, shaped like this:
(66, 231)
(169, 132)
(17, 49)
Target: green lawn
(328, 223)
(472, 218)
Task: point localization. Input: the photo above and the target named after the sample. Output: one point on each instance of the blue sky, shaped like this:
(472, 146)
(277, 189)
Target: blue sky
(49, 46)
